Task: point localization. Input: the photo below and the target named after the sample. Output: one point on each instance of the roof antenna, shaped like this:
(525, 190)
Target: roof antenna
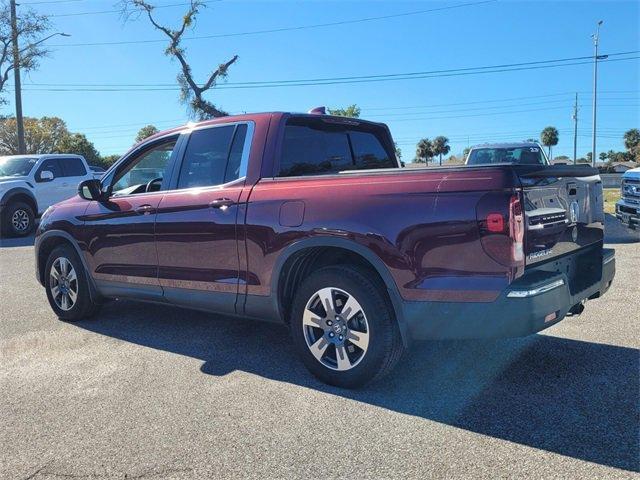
(318, 111)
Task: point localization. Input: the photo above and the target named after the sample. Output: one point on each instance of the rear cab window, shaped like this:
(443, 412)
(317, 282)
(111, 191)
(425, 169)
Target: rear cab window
(529, 155)
(321, 146)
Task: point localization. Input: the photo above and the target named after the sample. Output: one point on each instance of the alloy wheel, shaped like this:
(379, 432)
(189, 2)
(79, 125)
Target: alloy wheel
(336, 330)
(20, 220)
(63, 283)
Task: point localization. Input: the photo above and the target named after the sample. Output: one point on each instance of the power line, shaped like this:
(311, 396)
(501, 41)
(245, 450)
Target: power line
(330, 80)
(287, 29)
(100, 12)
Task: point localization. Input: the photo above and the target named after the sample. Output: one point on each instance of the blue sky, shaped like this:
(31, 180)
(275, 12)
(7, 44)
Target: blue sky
(468, 109)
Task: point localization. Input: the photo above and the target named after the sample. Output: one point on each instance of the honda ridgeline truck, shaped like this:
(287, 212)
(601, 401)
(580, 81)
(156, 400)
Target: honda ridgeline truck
(308, 220)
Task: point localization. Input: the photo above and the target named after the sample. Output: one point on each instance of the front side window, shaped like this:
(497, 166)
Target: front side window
(146, 172)
(52, 165)
(16, 167)
(314, 147)
(73, 167)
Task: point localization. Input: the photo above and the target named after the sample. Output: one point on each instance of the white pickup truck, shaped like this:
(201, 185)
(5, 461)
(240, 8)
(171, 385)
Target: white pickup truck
(29, 184)
(628, 207)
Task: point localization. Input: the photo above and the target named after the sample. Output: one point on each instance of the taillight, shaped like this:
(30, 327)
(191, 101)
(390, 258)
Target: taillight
(501, 223)
(516, 229)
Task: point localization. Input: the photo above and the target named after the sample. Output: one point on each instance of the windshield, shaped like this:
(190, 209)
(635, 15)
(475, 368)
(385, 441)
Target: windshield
(16, 166)
(518, 155)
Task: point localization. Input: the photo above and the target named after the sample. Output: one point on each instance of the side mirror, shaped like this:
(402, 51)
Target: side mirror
(90, 190)
(46, 176)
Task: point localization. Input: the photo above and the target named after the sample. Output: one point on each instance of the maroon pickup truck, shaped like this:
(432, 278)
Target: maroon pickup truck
(308, 220)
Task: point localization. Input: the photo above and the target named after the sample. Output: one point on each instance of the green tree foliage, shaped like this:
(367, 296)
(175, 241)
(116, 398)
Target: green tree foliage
(603, 156)
(78, 144)
(191, 92)
(424, 151)
(441, 146)
(108, 160)
(41, 135)
(549, 137)
(352, 111)
(31, 27)
(632, 143)
(146, 132)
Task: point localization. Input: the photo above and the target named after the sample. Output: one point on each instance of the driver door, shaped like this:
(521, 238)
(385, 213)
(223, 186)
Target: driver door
(121, 244)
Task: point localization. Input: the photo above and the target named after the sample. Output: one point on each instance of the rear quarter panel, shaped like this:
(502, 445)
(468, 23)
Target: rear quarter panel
(420, 223)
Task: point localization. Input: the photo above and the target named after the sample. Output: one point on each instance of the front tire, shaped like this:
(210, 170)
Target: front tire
(344, 328)
(18, 219)
(67, 285)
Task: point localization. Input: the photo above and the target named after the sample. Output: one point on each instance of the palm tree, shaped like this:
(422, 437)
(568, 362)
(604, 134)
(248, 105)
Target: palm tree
(441, 146)
(424, 150)
(549, 138)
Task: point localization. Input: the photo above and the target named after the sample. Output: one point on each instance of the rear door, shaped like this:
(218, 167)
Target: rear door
(196, 231)
(74, 172)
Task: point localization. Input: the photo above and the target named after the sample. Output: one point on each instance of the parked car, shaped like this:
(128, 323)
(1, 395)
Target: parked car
(29, 184)
(308, 220)
(628, 207)
(519, 153)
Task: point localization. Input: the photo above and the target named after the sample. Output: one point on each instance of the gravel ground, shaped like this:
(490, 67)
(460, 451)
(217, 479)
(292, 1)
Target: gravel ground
(147, 391)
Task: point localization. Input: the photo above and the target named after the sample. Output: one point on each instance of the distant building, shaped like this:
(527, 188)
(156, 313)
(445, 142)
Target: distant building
(621, 167)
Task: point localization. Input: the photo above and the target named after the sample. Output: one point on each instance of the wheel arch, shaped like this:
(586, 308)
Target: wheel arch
(47, 242)
(301, 258)
(20, 194)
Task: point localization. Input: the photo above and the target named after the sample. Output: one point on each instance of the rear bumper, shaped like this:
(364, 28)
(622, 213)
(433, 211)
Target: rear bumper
(541, 299)
(628, 213)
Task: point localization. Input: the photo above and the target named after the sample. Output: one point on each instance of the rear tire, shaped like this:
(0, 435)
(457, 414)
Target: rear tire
(67, 285)
(18, 219)
(344, 328)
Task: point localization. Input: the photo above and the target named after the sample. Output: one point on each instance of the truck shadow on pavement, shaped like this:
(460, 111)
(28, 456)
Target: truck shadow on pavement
(574, 398)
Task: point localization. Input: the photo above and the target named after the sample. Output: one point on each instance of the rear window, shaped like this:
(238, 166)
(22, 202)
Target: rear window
(314, 147)
(517, 155)
(73, 167)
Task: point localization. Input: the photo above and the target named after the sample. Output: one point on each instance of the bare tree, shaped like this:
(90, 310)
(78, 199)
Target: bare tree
(30, 27)
(190, 91)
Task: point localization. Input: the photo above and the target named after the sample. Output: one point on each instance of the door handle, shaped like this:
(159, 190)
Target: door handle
(221, 203)
(144, 209)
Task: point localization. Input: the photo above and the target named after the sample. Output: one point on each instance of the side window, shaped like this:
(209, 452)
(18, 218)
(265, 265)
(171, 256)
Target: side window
(311, 150)
(150, 165)
(235, 156)
(205, 159)
(73, 167)
(368, 151)
(52, 165)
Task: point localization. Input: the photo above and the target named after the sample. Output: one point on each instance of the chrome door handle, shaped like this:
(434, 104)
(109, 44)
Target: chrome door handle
(144, 209)
(221, 203)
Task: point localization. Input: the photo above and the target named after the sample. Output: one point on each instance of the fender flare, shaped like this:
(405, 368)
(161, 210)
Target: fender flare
(9, 194)
(40, 239)
(373, 259)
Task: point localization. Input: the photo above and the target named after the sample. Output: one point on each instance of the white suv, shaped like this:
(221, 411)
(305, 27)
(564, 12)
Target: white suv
(29, 184)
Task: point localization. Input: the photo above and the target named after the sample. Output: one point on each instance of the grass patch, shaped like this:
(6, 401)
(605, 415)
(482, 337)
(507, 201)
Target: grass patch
(611, 196)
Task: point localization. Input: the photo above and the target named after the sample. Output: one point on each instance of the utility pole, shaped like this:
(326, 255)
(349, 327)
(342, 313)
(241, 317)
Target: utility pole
(596, 38)
(575, 129)
(16, 78)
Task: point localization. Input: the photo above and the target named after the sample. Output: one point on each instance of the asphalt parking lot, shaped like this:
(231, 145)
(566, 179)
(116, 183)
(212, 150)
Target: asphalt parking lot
(147, 391)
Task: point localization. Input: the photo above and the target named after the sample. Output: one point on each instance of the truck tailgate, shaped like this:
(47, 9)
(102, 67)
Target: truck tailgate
(563, 210)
